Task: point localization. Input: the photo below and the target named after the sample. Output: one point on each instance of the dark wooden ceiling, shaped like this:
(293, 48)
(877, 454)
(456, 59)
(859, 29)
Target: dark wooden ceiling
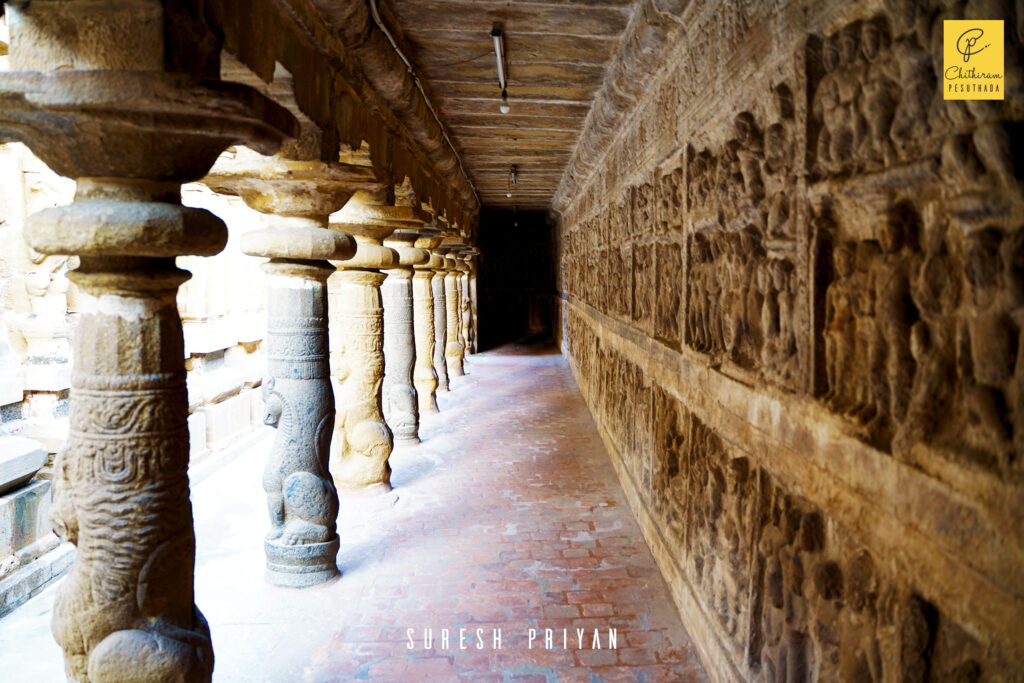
(556, 54)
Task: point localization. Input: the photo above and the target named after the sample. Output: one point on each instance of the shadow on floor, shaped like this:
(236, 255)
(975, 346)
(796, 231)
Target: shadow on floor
(538, 344)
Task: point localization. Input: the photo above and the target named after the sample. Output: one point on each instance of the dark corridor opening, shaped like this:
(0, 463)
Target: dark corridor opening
(516, 276)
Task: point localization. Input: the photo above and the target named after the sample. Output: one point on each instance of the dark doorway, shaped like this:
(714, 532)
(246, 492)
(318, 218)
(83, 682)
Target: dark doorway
(516, 277)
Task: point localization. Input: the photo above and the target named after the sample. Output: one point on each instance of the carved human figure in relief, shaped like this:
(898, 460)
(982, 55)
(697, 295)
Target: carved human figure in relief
(880, 92)
(890, 361)
(840, 329)
(670, 215)
(863, 408)
(851, 128)
(1012, 253)
(753, 247)
(697, 168)
(732, 296)
(930, 394)
(750, 151)
(785, 351)
(698, 305)
(825, 107)
(778, 137)
(987, 339)
(714, 286)
(731, 184)
(913, 119)
(859, 656)
(778, 161)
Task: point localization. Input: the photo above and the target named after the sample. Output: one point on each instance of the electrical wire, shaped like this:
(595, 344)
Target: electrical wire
(465, 61)
(419, 86)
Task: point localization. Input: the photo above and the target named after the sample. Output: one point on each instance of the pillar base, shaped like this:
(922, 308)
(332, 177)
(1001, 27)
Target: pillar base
(407, 440)
(300, 566)
(378, 489)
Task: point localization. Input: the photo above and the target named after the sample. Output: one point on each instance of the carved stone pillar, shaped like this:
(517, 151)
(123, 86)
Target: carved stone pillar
(299, 194)
(453, 350)
(440, 322)
(464, 321)
(473, 299)
(424, 375)
(401, 409)
(362, 439)
(108, 116)
(302, 544)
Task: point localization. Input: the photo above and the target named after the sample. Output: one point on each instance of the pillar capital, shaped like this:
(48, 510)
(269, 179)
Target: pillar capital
(409, 255)
(289, 188)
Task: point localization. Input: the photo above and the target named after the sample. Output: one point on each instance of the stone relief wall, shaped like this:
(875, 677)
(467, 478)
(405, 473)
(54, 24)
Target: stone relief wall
(792, 295)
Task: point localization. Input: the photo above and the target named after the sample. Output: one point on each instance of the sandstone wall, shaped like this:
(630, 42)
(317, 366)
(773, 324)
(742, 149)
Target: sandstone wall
(793, 297)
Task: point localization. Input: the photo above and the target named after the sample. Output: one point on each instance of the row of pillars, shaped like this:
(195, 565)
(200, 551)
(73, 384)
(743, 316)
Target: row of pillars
(377, 302)
(384, 310)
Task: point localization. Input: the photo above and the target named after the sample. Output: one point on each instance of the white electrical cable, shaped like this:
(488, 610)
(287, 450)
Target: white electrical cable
(416, 80)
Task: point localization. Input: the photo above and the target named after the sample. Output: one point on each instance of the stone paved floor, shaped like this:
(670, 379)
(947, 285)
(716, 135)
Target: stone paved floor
(508, 516)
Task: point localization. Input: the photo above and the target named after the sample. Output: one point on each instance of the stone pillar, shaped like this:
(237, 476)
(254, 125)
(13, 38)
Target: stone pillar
(464, 303)
(108, 116)
(473, 299)
(440, 323)
(453, 348)
(302, 544)
(298, 192)
(362, 439)
(400, 403)
(470, 280)
(424, 375)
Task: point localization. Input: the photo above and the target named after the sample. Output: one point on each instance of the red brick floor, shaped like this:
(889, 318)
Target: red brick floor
(518, 523)
(508, 516)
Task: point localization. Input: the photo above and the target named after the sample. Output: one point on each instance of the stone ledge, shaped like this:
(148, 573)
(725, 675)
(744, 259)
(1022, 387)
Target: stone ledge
(24, 516)
(41, 564)
(20, 459)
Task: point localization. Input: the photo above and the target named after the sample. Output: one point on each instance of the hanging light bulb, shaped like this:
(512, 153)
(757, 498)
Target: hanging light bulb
(504, 102)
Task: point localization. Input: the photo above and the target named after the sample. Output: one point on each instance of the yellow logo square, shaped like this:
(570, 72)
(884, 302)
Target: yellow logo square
(972, 67)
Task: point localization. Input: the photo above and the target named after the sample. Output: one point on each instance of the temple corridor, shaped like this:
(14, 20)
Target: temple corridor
(273, 404)
(507, 516)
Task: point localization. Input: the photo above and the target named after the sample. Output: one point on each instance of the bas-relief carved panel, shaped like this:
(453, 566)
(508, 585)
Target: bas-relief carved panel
(840, 233)
(796, 594)
(747, 300)
(921, 205)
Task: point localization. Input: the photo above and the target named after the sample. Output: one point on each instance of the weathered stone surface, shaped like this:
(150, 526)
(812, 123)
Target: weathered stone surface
(791, 304)
(453, 348)
(437, 285)
(20, 459)
(425, 378)
(302, 543)
(362, 439)
(299, 192)
(400, 402)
